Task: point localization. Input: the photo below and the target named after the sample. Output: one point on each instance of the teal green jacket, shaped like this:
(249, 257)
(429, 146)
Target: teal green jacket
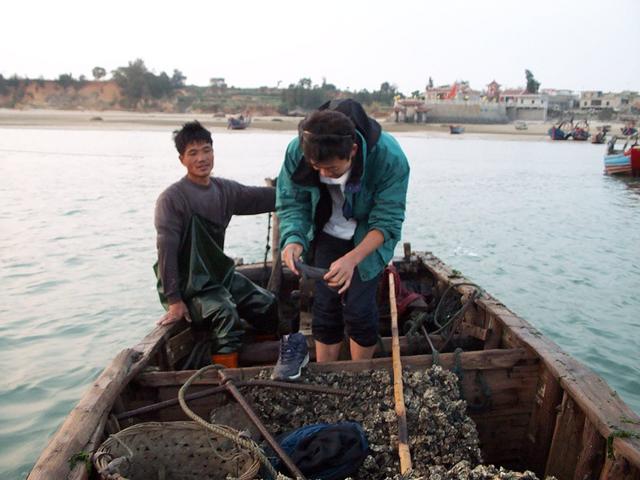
(375, 198)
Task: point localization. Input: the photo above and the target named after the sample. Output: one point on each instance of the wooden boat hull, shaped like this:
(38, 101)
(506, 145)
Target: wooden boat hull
(617, 164)
(456, 129)
(557, 134)
(548, 412)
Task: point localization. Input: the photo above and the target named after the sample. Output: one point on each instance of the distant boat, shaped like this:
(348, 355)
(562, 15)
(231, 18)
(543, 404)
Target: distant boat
(521, 125)
(629, 128)
(580, 131)
(601, 136)
(624, 161)
(238, 123)
(456, 129)
(557, 132)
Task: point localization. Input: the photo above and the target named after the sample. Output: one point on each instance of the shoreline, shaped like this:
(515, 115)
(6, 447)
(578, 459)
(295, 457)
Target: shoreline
(119, 120)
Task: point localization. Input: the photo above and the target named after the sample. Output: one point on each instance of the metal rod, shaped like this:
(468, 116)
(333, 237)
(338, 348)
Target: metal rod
(212, 391)
(403, 432)
(233, 390)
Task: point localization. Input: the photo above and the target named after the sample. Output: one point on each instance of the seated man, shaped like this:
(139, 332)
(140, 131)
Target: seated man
(341, 201)
(199, 194)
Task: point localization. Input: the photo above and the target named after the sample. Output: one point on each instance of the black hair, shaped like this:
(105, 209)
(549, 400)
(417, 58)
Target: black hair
(326, 135)
(189, 133)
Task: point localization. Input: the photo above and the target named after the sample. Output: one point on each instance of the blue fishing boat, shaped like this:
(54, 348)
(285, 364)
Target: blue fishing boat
(580, 131)
(238, 123)
(624, 161)
(456, 129)
(557, 133)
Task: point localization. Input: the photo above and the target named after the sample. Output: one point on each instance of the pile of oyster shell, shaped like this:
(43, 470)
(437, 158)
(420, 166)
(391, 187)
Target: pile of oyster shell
(443, 440)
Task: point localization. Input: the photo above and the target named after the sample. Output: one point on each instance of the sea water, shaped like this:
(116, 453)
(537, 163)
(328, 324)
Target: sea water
(535, 223)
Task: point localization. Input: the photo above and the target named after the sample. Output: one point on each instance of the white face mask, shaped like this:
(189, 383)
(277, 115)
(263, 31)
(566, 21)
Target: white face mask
(342, 180)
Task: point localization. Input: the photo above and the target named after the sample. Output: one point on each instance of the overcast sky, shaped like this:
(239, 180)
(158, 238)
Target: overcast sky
(579, 45)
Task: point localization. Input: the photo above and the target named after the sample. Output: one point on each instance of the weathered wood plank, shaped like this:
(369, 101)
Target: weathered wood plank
(591, 457)
(619, 468)
(543, 420)
(567, 439)
(178, 347)
(473, 330)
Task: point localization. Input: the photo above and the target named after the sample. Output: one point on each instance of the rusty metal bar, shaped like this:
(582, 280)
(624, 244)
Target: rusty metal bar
(212, 391)
(233, 390)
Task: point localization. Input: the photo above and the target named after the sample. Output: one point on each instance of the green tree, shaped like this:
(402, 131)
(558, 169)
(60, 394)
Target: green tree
(98, 72)
(304, 83)
(132, 80)
(532, 84)
(66, 80)
(177, 79)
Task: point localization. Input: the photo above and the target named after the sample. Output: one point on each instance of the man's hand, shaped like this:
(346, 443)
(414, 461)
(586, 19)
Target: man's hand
(177, 311)
(290, 254)
(341, 272)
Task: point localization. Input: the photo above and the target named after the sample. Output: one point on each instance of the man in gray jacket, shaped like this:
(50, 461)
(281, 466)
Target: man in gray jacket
(198, 193)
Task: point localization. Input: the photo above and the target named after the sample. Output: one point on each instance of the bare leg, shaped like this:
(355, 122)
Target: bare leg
(326, 352)
(358, 352)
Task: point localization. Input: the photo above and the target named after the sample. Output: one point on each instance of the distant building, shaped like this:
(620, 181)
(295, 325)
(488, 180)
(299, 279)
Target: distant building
(618, 102)
(459, 103)
(560, 100)
(217, 82)
(493, 92)
(410, 110)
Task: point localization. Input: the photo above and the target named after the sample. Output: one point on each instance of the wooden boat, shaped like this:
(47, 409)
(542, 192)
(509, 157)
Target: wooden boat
(558, 132)
(456, 129)
(547, 412)
(521, 125)
(580, 131)
(624, 161)
(238, 123)
(629, 128)
(601, 136)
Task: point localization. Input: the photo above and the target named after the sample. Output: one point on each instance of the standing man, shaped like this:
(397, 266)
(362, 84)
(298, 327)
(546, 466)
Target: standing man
(213, 199)
(341, 201)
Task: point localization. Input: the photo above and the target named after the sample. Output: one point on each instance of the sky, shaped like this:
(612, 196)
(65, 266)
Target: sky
(577, 45)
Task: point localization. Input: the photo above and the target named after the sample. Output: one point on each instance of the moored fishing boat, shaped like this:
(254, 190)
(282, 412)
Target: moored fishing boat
(238, 123)
(534, 406)
(456, 129)
(601, 135)
(580, 131)
(623, 161)
(558, 132)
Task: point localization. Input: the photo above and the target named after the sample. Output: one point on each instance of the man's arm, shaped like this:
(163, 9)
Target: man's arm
(169, 218)
(245, 200)
(293, 204)
(387, 214)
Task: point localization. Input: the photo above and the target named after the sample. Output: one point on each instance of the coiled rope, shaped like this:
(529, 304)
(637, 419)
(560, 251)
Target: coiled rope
(239, 438)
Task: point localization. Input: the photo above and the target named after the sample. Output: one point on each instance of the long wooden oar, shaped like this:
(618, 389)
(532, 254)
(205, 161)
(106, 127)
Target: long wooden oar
(403, 434)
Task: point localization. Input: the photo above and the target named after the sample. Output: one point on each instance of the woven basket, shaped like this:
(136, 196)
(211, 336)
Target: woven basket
(172, 451)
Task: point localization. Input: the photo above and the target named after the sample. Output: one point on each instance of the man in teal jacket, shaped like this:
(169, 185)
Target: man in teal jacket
(341, 200)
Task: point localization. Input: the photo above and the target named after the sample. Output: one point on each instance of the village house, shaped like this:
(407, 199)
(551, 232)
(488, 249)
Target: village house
(618, 102)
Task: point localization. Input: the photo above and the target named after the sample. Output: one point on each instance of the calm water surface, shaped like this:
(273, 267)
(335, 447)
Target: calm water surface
(535, 223)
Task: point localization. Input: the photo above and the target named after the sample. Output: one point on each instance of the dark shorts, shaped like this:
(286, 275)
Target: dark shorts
(355, 311)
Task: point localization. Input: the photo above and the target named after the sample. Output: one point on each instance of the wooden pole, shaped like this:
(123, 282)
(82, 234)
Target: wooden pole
(403, 433)
(275, 279)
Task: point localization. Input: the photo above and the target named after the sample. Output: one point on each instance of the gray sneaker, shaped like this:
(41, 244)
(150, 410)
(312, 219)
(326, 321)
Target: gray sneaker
(294, 355)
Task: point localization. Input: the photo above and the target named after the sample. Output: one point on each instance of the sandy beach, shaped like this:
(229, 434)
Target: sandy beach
(120, 120)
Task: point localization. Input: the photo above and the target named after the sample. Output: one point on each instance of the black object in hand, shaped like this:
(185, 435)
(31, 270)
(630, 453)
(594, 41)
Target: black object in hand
(307, 271)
